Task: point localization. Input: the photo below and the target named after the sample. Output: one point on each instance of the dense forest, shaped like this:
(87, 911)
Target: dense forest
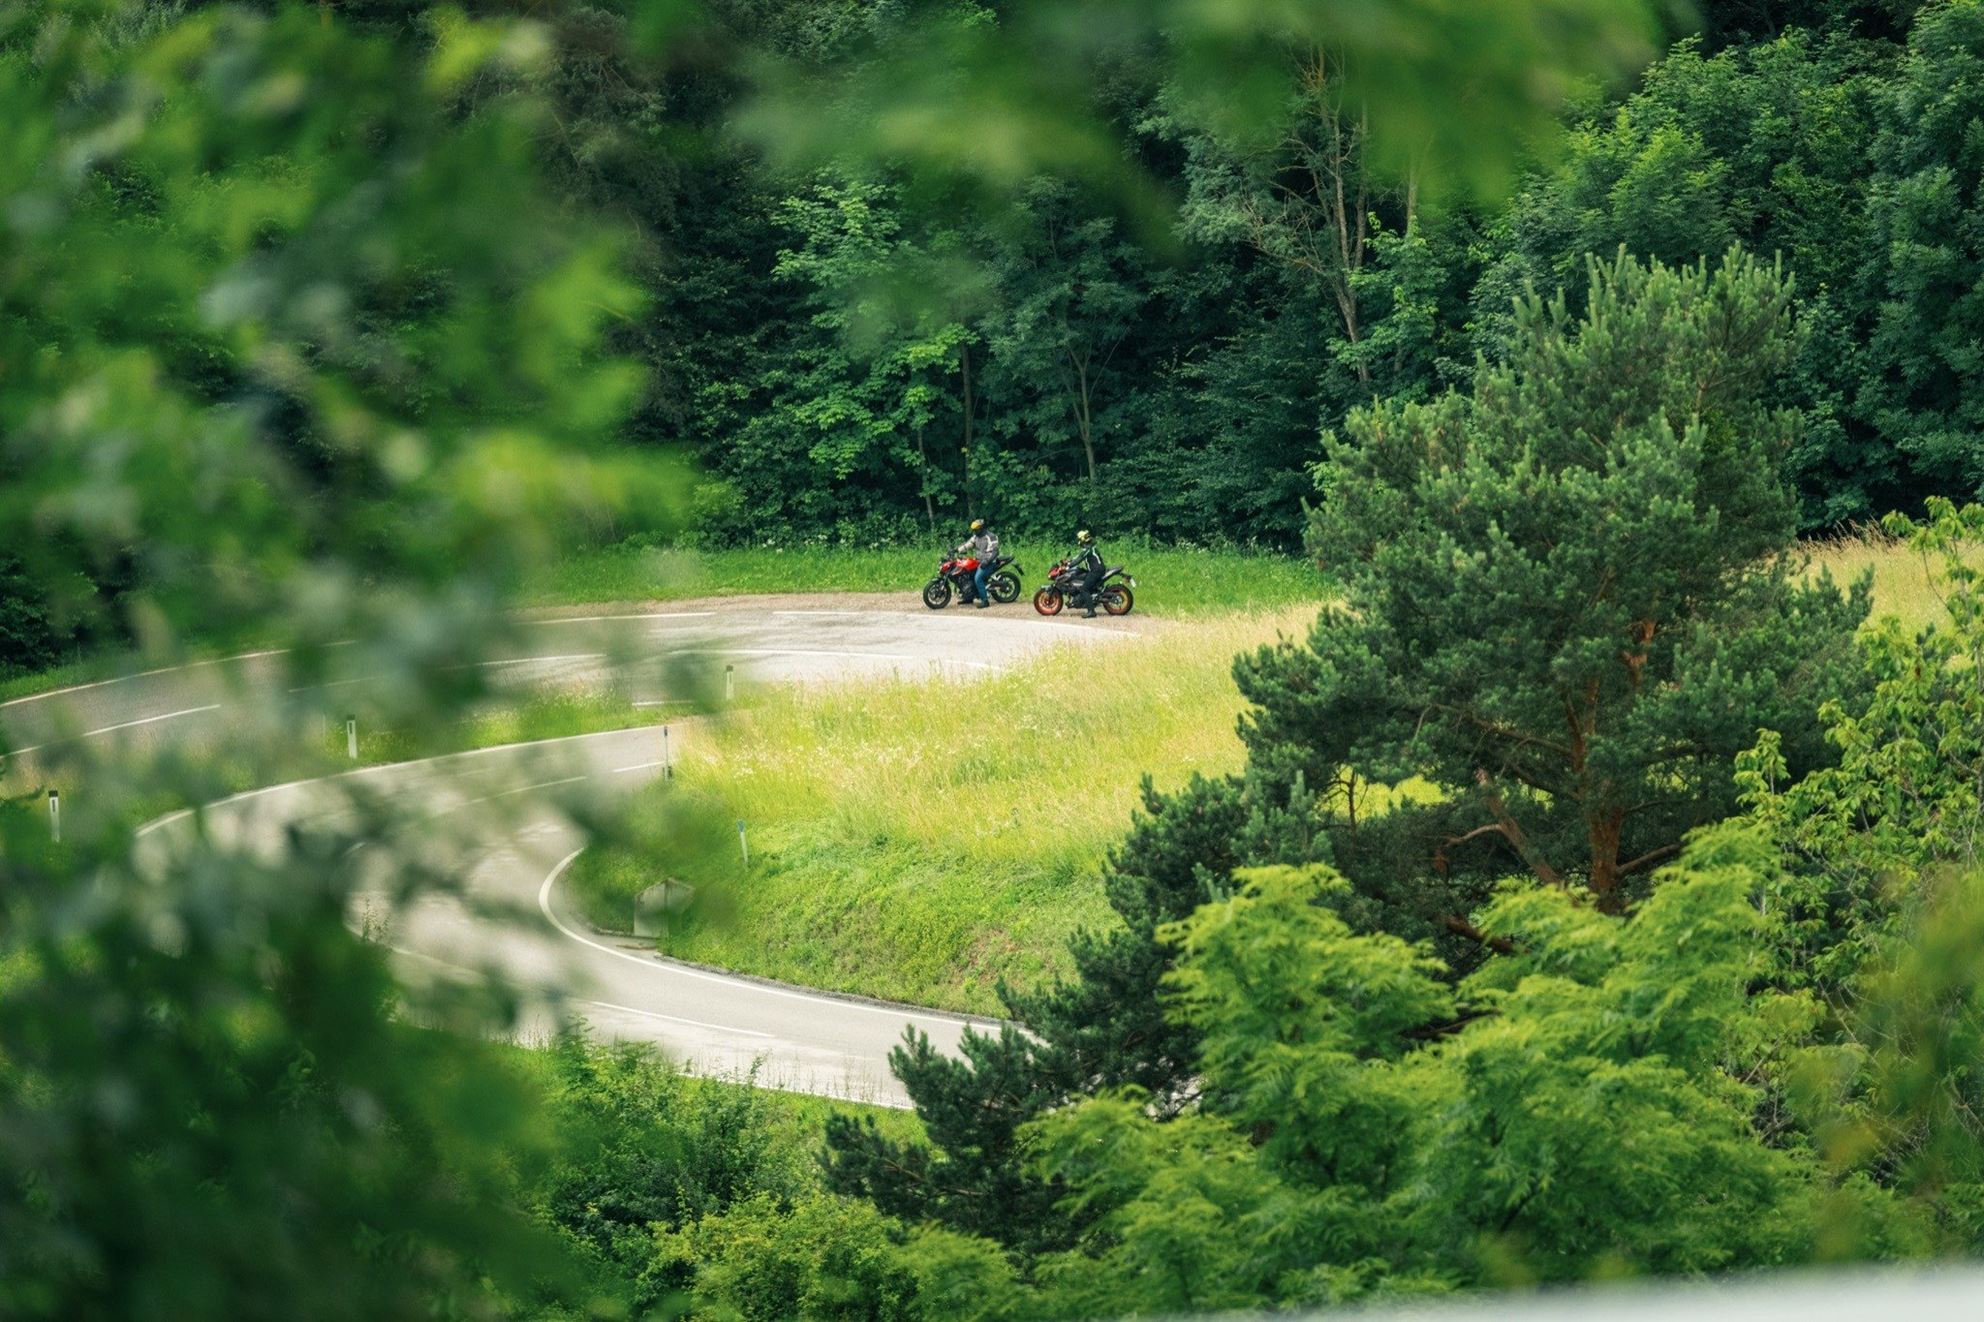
(1171, 372)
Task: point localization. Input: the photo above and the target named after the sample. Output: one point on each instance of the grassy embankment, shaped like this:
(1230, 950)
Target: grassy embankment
(921, 840)
(1901, 579)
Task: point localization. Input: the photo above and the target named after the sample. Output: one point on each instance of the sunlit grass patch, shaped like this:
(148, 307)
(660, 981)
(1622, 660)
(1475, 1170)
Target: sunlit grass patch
(921, 840)
(1902, 584)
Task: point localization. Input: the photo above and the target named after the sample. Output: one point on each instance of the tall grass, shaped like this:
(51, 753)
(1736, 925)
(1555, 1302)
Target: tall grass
(1170, 580)
(1902, 586)
(922, 840)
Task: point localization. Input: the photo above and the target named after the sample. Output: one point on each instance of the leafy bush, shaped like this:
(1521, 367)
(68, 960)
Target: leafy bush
(1590, 1109)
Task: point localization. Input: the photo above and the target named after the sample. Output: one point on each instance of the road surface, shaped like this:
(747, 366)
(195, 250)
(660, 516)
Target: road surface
(507, 816)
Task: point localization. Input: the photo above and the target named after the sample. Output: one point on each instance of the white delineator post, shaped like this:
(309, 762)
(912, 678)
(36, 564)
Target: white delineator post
(351, 737)
(729, 683)
(743, 847)
(55, 816)
(667, 766)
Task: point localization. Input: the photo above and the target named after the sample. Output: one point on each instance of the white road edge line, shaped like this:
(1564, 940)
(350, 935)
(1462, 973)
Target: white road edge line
(541, 785)
(151, 720)
(676, 1019)
(599, 619)
(507, 661)
(811, 998)
(526, 660)
(123, 725)
(808, 651)
(142, 674)
(638, 766)
(426, 958)
(149, 827)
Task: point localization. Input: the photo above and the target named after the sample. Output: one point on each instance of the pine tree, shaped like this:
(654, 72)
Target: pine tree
(1569, 596)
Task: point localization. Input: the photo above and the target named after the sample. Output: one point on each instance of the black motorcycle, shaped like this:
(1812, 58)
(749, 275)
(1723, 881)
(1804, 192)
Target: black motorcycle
(1114, 594)
(954, 575)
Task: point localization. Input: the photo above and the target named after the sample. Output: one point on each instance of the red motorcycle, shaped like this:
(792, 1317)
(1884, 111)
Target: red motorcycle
(954, 574)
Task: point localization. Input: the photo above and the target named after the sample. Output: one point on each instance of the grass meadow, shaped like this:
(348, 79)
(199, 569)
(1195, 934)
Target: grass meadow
(922, 840)
(1902, 585)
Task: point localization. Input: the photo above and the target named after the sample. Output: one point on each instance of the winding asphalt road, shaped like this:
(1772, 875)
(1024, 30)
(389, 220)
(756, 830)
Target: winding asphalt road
(505, 814)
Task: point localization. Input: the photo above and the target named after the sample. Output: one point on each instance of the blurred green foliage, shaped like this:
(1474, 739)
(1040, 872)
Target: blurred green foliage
(281, 319)
(285, 336)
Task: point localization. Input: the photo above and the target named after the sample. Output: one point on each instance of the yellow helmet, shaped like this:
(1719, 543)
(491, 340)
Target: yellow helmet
(1084, 537)
(978, 525)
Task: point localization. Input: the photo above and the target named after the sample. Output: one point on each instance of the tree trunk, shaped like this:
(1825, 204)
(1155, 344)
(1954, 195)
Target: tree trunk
(923, 463)
(1083, 417)
(1349, 216)
(1605, 829)
(964, 356)
(1341, 191)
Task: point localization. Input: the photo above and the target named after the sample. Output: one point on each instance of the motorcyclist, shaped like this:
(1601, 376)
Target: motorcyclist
(983, 543)
(1085, 571)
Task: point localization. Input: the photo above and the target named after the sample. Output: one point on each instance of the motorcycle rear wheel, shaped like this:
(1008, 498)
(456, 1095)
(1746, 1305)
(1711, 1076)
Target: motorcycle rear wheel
(1004, 588)
(937, 593)
(1117, 599)
(1047, 601)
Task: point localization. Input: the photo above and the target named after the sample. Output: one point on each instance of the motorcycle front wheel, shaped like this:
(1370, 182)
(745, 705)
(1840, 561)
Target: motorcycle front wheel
(1004, 588)
(1047, 601)
(937, 593)
(1117, 600)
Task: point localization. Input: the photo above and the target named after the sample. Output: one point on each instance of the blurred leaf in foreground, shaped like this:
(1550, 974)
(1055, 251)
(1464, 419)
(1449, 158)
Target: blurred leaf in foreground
(1455, 90)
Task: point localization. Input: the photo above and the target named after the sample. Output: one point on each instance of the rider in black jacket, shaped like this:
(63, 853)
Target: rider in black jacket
(1085, 571)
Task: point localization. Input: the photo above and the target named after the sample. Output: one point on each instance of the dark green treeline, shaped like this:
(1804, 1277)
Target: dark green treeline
(854, 364)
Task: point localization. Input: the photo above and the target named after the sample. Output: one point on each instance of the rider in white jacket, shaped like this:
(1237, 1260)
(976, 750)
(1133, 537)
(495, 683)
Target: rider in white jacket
(983, 543)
